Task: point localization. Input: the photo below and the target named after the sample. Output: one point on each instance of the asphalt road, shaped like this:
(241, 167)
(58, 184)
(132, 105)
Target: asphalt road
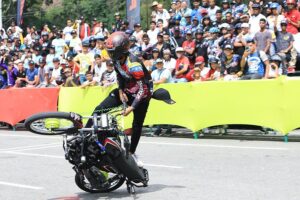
(33, 167)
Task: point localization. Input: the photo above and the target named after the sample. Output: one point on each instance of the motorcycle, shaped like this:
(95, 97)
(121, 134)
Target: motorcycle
(100, 161)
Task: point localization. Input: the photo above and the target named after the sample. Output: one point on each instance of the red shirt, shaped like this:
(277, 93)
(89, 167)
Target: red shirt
(294, 16)
(180, 62)
(189, 44)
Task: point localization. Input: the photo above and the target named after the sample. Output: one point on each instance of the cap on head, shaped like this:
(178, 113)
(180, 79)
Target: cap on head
(199, 60)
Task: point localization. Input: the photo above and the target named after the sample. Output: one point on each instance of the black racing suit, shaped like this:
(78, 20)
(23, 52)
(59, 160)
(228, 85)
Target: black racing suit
(134, 81)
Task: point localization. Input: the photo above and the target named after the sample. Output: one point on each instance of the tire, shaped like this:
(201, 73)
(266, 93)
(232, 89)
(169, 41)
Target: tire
(81, 185)
(55, 118)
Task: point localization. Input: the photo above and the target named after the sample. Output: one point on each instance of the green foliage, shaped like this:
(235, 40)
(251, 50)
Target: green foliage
(103, 10)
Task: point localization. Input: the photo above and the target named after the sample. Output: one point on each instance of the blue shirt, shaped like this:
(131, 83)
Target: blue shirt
(30, 74)
(255, 64)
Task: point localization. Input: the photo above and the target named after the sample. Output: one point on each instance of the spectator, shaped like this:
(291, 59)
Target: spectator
(274, 71)
(42, 80)
(54, 74)
(32, 75)
(212, 9)
(253, 62)
(84, 29)
(146, 46)
(263, 38)
(275, 18)
(11, 72)
(21, 76)
(239, 9)
(85, 61)
(178, 37)
(200, 71)
(118, 22)
(59, 44)
(215, 69)
(226, 8)
(230, 64)
(99, 67)
(284, 45)
(293, 17)
(161, 74)
(152, 33)
(109, 76)
(74, 66)
(90, 80)
(75, 43)
(163, 15)
(70, 80)
(169, 62)
(133, 47)
(255, 18)
(138, 33)
(196, 12)
(189, 47)
(181, 67)
(67, 32)
(201, 44)
(241, 39)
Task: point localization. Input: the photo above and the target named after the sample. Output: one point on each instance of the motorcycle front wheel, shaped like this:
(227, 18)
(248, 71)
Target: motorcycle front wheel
(114, 183)
(52, 123)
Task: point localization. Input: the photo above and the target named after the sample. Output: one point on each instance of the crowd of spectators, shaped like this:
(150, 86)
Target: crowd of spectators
(198, 42)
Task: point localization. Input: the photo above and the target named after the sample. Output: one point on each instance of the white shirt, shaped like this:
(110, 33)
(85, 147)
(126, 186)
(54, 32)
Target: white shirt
(153, 36)
(99, 71)
(271, 22)
(170, 65)
(165, 16)
(59, 45)
(212, 12)
(67, 32)
(204, 72)
(254, 23)
(76, 44)
(56, 75)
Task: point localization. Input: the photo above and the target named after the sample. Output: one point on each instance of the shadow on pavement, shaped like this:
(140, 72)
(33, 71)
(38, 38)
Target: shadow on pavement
(120, 193)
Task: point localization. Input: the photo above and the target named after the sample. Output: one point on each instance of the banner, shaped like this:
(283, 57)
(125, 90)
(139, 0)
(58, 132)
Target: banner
(133, 12)
(18, 104)
(20, 8)
(268, 103)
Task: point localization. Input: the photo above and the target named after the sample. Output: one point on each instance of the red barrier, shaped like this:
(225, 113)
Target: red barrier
(18, 104)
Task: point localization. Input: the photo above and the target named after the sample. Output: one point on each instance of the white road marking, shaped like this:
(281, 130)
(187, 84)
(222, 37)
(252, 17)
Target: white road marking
(33, 154)
(29, 136)
(164, 166)
(20, 186)
(61, 157)
(45, 147)
(30, 147)
(216, 146)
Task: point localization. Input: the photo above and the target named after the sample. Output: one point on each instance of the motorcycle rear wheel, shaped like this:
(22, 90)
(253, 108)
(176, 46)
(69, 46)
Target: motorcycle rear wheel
(86, 186)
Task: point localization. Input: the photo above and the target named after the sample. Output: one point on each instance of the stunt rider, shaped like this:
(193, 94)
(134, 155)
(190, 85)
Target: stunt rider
(135, 87)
